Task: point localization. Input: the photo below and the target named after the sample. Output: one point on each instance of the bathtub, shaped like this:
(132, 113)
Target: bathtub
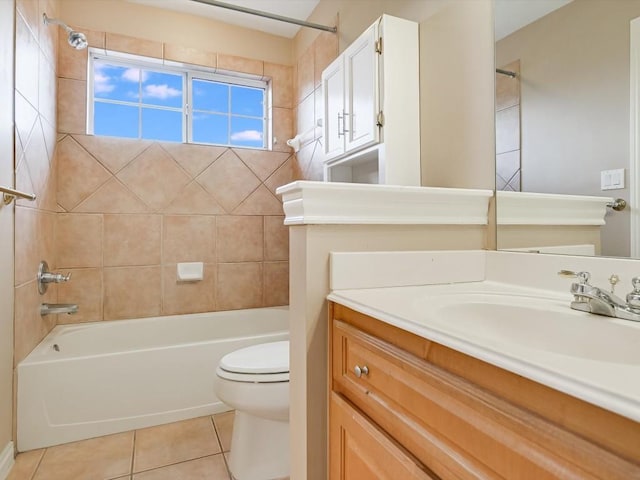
(94, 379)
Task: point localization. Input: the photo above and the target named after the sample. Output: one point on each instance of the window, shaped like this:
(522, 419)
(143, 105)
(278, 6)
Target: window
(137, 98)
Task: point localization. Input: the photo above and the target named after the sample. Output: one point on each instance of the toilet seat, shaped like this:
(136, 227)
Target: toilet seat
(262, 363)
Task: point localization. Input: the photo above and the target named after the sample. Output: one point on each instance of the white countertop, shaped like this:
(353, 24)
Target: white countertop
(594, 358)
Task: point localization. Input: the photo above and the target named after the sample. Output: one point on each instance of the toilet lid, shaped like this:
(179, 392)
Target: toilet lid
(262, 358)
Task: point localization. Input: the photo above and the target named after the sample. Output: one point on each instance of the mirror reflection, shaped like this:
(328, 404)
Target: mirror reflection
(562, 125)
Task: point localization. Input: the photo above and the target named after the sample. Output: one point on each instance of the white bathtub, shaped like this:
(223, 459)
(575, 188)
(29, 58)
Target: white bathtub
(94, 379)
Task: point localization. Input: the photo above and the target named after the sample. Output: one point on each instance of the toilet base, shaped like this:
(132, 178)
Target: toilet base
(259, 448)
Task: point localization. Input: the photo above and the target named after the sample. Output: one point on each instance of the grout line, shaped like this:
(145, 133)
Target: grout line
(133, 454)
(215, 429)
(35, 471)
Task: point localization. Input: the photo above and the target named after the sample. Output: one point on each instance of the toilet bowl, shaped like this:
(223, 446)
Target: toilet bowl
(255, 382)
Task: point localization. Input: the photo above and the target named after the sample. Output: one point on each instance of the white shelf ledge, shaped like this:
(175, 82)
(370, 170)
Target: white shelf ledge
(350, 203)
(524, 208)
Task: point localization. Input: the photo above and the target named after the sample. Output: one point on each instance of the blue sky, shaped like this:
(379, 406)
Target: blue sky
(221, 113)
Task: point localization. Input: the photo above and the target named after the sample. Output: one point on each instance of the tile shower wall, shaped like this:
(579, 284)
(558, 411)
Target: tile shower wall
(308, 101)
(35, 161)
(130, 210)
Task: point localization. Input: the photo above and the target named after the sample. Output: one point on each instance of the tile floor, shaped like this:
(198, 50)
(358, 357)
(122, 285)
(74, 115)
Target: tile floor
(188, 450)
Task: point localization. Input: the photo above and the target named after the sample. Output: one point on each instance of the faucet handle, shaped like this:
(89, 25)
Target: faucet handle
(583, 277)
(633, 298)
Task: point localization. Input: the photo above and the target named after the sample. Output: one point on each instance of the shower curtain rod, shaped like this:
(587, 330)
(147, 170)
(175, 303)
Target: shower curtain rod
(508, 73)
(272, 16)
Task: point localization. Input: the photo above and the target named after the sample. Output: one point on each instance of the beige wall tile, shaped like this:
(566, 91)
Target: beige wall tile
(137, 46)
(305, 75)
(85, 289)
(29, 327)
(25, 118)
(79, 174)
(112, 197)
(282, 129)
(154, 177)
(325, 51)
(284, 175)
(26, 248)
(507, 88)
(48, 37)
(276, 239)
(28, 9)
(47, 85)
(132, 292)
(72, 106)
(26, 61)
(188, 297)
(229, 180)
(113, 153)
(132, 240)
(46, 228)
(240, 239)
(281, 84)
(95, 38)
(194, 200)
(72, 63)
(261, 162)
(102, 457)
(260, 202)
(239, 286)
(276, 283)
(79, 240)
(193, 56)
(36, 156)
(193, 158)
(188, 239)
(174, 442)
(240, 64)
(305, 119)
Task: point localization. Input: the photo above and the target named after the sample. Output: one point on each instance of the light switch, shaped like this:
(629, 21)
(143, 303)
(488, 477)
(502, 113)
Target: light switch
(612, 179)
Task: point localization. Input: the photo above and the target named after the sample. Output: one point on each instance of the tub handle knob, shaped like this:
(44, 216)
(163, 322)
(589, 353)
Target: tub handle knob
(45, 277)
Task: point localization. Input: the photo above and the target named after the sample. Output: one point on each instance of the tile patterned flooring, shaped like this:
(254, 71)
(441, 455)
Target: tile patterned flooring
(188, 450)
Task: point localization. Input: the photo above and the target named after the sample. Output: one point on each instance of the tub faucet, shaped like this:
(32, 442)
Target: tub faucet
(54, 308)
(591, 299)
(45, 277)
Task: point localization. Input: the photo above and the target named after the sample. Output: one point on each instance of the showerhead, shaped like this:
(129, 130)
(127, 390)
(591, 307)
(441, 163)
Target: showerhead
(77, 40)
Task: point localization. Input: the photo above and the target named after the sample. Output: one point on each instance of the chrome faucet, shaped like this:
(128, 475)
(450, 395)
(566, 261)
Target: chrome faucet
(591, 299)
(55, 308)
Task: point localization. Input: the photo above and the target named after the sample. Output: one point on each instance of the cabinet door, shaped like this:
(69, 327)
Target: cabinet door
(333, 94)
(360, 451)
(361, 83)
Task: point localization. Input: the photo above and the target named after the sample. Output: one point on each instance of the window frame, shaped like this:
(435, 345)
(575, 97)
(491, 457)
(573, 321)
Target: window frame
(188, 72)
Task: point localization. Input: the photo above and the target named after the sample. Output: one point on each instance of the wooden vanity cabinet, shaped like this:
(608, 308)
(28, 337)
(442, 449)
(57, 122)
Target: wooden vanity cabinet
(402, 406)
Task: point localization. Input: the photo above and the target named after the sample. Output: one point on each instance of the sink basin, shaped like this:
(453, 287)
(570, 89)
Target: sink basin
(537, 324)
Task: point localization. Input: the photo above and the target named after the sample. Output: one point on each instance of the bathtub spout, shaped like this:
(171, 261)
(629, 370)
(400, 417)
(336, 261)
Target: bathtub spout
(53, 308)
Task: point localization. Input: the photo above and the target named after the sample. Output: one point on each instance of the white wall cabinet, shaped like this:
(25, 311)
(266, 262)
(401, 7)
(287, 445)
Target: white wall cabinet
(371, 107)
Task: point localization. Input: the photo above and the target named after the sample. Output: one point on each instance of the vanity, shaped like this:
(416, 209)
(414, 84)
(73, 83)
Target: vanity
(448, 365)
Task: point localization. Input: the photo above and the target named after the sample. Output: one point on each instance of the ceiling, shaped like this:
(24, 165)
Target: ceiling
(299, 9)
(512, 15)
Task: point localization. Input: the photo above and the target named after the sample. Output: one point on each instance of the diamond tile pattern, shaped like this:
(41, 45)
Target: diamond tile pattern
(155, 177)
(229, 180)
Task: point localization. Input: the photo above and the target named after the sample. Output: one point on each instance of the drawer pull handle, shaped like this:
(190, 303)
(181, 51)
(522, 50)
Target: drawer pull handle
(359, 371)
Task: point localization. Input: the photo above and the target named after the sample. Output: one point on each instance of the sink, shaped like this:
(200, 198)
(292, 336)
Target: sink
(536, 324)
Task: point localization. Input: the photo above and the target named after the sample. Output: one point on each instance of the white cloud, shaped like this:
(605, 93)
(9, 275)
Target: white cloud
(102, 83)
(247, 135)
(161, 91)
(133, 75)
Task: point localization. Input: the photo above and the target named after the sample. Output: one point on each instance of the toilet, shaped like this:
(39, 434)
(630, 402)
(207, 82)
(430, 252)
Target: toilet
(255, 382)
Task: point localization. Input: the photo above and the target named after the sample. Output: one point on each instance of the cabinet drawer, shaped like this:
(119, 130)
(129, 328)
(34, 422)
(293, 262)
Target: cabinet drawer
(452, 426)
(360, 451)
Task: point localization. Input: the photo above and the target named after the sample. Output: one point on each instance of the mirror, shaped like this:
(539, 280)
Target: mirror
(561, 122)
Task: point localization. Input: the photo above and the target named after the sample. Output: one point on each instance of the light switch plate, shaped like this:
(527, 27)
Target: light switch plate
(612, 179)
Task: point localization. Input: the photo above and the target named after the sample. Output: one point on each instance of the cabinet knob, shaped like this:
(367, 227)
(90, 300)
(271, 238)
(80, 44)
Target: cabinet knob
(359, 371)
